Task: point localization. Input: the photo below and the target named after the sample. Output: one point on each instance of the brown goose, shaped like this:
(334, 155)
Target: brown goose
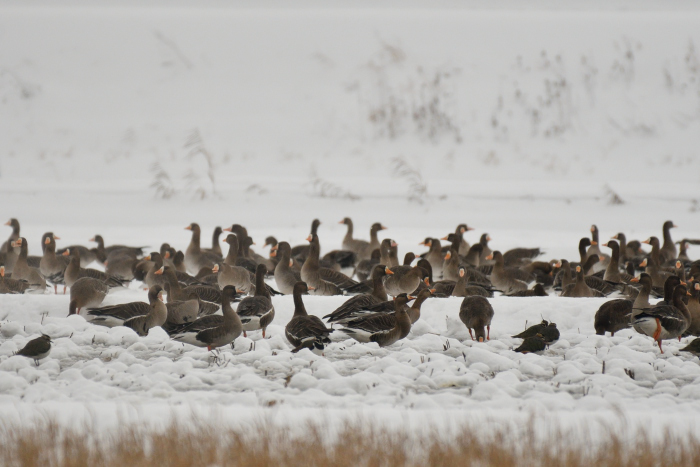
(8, 255)
(186, 311)
(215, 330)
(476, 313)
(668, 250)
(462, 288)
(301, 252)
(612, 272)
(235, 276)
(104, 252)
(53, 267)
(14, 223)
(364, 268)
(405, 279)
(473, 257)
(215, 246)
(195, 257)
(36, 349)
(234, 257)
(625, 252)
(324, 281)
(74, 272)
(683, 246)
(450, 267)
(87, 255)
(564, 278)
(286, 276)
(484, 242)
(22, 270)
(361, 248)
(11, 286)
(125, 266)
(305, 331)
(532, 344)
(383, 328)
(257, 312)
(388, 253)
(86, 292)
(461, 229)
(579, 289)
(507, 279)
(665, 321)
(351, 307)
(652, 264)
(616, 315)
(694, 309)
(520, 256)
(390, 306)
(434, 255)
(209, 295)
(116, 315)
(536, 291)
(156, 317)
(594, 249)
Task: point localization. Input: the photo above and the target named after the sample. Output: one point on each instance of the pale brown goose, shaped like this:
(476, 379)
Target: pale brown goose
(116, 315)
(665, 321)
(624, 251)
(24, 272)
(616, 315)
(215, 330)
(74, 272)
(507, 279)
(301, 252)
(383, 328)
(87, 255)
(157, 316)
(434, 255)
(351, 307)
(450, 267)
(484, 242)
(668, 250)
(257, 312)
(594, 249)
(8, 255)
(11, 286)
(286, 276)
(195, 257)
(405, 279)
(462, 287)
(652, 264)
(579, 289)
(209, 295)
(234, 256)
(235, 276)
(305, 331)
(520, 256)
(612, 272)
(361, 248)
(476, 313)
(364, 268)
(388, 253)
(52, 267)
(125, 266)
(215, 246)
(324, 281)
(104, 252)
(14, 223)
(473, 257)
(185, 311)
(461, 229)
(86, 292)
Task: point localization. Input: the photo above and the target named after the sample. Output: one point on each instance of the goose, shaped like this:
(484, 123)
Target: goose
(215, 330)
(476, 313)
(518, 256)
(594, 250)
(36, 349)
(87, 255)
(612, 271)
(234, 256)
(507, 279)
(257, 312)
(209, 296)
(388, 253)
(23, 272)
(286, 277)
(693, 347)
(665, 321)
(11, 286)
(53, 267)
(195, 257)
(405, 279)
(157, 316)
(361, 248)
(364, 268)
(116, 315)
(464, 246)
(668, 250)
(304, 330)
(450, 266)
(86, 292)
(74, 272)
(301, 252)
(484, 242)
(434, 255)
(463, 288)
(579, 289)
(616, 315)
(536, 291)
(125, 266)
(360, 302)
(324, 281)
(215, 246)
(105, 252)
(8, 255)
(383, 328)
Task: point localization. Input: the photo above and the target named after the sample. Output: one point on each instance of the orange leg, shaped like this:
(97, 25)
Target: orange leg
(64, 290)
(244, 334)
(488, 333)
(657, 333)
(659, 342)
(263, 333)
(55, 289)
(679, 338)
(470, 333)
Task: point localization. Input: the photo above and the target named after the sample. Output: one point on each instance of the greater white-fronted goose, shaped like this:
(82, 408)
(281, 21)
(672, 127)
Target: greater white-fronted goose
(565, 279)
(74, 272)
(484, 242)
(532, 344)
(305, 331)
(549, 332)
(652, 264)
(116, 315)
(462, 287)
(536, 291)
(612, 271)
(215, 246)
(186, 311)
(476, 313)
(668, 250)
(405, 279)
(624, 251)
(520, 256)
(694, 309)
(507, 279)
(215, 330)
(615, 315)
(364, 268)
(8, 255)
(195, 257)
(11, 286)
(52, 267)
(383, 328)
(301, 252)
(209, 295)
(461, 229)
(323, 280)
(87, 255)
(156, 317)
(86, 292)
(234, 256)
(286, 276)
(22, 270)
(579, 289)
(434, 255)
(594, 249)
(125, 266)
(14, 223)
(354, 305)
(36, 349)
(665, 321)
(233, 275)
(361, 248)
(257, 312)
(388, 253)
(473, 256)
(683, 246)
(450, 266)
(106, 251)
(35, 261)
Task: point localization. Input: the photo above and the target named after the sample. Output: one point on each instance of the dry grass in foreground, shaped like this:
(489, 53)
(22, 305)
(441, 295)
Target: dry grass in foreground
(45, 443)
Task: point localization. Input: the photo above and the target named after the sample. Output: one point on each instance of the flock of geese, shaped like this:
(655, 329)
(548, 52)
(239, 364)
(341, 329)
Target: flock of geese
(384, 294)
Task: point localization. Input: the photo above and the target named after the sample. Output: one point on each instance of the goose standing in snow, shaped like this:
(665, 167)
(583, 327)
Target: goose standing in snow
(304, 330)
(665, 321)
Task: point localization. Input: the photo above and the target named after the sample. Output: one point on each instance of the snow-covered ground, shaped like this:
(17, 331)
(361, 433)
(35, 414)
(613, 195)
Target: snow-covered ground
(117, 118)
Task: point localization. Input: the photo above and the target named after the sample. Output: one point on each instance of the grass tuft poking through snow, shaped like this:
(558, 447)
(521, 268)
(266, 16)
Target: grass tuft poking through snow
(46, 442)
